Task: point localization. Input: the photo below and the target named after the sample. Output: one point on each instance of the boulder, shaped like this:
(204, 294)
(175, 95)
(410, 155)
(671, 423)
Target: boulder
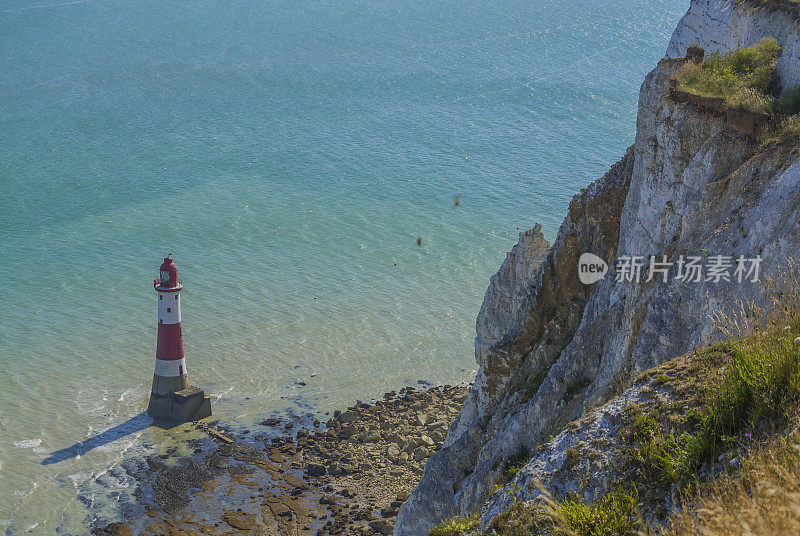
(381, 526)
(370, 436)
(315, 469)
(420, 453)
(347, 432)
(347, 417)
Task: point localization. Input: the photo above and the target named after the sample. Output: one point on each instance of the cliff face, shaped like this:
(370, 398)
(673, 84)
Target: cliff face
(550, 348)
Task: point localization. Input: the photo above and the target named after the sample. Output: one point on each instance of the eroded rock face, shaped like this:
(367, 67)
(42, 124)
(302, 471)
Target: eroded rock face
(689, 186)
(507, 289)
(549, 310)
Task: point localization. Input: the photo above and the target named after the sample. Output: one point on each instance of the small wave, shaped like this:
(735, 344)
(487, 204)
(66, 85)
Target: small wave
(24, 493)
(28, 443)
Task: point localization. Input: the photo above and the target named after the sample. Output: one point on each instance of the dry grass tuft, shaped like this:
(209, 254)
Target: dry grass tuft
(779, 308)
(763, 500)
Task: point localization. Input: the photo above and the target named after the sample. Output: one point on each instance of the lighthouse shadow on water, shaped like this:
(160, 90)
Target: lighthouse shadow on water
(131, 426)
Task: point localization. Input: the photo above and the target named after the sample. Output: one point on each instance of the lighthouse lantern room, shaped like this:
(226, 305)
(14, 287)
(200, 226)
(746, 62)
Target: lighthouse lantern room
(172, 397)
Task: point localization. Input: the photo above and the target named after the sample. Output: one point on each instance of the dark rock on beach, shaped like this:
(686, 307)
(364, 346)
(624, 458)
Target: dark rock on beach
(349, 476)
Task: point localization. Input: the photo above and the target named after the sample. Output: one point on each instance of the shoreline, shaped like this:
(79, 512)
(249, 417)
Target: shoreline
(349, 475)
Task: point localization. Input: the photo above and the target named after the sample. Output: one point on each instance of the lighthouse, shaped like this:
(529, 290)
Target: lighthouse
(172, 397)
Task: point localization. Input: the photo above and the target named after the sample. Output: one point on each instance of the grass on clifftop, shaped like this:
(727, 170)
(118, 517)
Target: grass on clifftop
(764, 498)
(742, 77)
(745, 78)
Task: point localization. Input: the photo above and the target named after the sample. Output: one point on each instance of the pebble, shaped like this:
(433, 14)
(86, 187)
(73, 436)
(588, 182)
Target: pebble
(393, 453)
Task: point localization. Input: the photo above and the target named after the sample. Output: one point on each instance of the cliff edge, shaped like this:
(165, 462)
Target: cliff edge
(549, 348)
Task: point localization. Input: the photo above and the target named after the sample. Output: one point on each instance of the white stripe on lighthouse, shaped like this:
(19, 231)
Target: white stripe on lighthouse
(169, 307)
(175, 367)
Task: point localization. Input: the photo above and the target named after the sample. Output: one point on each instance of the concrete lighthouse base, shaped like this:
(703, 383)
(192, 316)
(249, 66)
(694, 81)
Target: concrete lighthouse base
(187, 403)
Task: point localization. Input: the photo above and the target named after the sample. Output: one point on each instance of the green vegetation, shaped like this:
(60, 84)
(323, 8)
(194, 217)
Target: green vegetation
(758, 393)
(760, 499)
(659, 458)
(741, 77)
(785, 131)
(745, 79)
(745, 388)
(521, 520)
(456, 526)
(612, 515)
(661, 379)
(513, 465)
(531, 386)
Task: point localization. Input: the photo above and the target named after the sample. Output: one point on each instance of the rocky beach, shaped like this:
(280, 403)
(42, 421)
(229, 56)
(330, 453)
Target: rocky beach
(348, 475)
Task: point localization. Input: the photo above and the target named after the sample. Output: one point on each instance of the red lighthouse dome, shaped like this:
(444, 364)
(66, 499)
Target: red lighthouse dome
(168, 276)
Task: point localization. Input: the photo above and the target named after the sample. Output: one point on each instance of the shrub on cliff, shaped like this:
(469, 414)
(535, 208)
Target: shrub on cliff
(456, 526)
(614, 514)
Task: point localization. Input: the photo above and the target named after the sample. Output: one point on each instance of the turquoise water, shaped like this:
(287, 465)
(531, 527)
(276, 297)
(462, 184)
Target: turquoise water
(288, 154)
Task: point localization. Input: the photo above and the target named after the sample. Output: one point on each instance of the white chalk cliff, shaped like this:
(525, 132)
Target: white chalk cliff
(551, 349)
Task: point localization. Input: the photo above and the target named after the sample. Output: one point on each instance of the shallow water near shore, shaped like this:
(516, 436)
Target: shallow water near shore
(288, 155)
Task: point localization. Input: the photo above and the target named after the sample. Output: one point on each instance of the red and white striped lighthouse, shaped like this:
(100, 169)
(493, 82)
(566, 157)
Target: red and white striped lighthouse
(172, 397)
(170, 373)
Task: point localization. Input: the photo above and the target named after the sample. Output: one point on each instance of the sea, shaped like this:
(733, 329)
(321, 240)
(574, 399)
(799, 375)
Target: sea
(289, 154)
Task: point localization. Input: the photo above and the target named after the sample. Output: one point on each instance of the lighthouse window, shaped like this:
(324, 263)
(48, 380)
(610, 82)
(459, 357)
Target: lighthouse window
(160, 297)
(169, 309)
(176, 296)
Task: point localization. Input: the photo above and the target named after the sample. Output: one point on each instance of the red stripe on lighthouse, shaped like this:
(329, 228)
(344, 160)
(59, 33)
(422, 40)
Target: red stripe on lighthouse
(170, 342)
